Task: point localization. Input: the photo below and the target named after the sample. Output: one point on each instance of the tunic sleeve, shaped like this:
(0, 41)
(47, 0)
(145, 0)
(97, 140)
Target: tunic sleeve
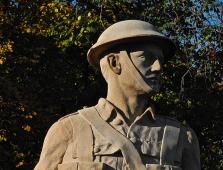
(191, 151)
(54, 147)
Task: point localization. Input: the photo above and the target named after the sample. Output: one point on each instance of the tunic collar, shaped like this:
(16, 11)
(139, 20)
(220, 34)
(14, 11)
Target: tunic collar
(145, 132)
(111, 113)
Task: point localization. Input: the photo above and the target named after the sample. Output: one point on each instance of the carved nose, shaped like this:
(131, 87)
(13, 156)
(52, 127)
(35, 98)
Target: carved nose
(156, 66)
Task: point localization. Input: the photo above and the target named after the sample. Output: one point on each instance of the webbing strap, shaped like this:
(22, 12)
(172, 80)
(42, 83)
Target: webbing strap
(128, 150)
(134, 72)
(85, 142)
(168, 151)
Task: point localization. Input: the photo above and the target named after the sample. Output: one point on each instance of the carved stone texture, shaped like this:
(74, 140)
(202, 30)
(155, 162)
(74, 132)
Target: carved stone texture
(123, 132)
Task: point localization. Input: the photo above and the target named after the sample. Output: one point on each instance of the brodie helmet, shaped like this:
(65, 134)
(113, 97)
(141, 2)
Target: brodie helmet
(125, 32)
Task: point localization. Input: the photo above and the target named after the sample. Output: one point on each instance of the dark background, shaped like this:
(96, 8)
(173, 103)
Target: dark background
(44, 72)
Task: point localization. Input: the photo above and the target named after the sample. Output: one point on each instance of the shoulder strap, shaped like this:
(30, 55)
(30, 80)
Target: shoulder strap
(128, 150)
(169, 144)
(84, 148)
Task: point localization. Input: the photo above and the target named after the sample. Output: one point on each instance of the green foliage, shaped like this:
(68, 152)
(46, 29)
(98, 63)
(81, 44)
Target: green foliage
(45, 74)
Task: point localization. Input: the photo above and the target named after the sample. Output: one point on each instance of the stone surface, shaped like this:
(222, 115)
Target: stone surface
(123, 132)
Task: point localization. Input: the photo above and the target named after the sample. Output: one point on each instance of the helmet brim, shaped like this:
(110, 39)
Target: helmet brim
(96, 52)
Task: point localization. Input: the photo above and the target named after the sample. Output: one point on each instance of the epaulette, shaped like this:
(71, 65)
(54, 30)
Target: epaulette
(68, 115)
(183, 124)
(174, 120)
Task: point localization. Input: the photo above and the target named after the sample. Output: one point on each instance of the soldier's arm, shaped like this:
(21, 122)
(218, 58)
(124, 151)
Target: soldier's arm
(54, 147)
(191, 151)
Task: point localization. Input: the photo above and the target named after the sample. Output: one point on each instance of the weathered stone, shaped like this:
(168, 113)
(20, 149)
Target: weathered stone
(122, 132)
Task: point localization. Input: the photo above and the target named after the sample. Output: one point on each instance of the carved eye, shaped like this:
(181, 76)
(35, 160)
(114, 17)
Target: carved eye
(142, 57)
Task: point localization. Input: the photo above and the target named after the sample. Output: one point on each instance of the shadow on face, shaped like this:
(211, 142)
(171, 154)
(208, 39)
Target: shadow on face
(147, 59)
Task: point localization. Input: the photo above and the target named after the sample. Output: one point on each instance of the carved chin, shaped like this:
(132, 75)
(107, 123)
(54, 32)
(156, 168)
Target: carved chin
(154, 88)
(154, 85)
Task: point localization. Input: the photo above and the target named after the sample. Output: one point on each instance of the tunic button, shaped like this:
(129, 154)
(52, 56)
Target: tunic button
(133, 139)
(97, 149)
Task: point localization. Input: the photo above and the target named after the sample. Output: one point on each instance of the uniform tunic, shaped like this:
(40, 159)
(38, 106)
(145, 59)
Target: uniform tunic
(60, 148)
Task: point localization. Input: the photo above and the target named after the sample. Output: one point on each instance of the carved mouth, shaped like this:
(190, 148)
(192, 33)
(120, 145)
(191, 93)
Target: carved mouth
(153, 77)
(153, 80)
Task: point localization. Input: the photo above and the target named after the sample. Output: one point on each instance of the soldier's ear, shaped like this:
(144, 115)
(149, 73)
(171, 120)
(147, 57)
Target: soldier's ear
(113, 62)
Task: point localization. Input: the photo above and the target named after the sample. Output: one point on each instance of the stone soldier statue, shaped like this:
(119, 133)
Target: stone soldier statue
(122, 132)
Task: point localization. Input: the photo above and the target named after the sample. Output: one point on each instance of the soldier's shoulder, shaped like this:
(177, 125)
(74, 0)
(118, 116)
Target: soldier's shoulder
(71, 115)
(63, 124)
(185, 129)
(170, 120)
(183, 125)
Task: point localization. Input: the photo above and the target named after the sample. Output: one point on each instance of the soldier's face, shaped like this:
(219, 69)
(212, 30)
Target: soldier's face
(148, 59)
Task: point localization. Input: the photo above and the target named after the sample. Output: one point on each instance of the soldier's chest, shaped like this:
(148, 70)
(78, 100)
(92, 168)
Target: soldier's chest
(151, 141)
(148, 138)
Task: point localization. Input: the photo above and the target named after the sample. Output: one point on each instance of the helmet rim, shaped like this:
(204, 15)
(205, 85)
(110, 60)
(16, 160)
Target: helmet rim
(144, 34)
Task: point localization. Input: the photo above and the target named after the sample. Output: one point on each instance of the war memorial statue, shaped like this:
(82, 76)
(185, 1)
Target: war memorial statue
(122, 132)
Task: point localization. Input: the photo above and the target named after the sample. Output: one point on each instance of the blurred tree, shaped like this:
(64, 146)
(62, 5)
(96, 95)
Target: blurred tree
(44, 72)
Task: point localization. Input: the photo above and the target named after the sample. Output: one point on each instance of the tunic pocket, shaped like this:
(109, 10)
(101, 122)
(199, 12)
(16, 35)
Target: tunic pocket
(162, 167)
(151, 148)
(82, 166)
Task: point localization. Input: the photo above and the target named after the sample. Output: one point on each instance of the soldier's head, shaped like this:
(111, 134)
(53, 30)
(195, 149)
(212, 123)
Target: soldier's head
(130, 54)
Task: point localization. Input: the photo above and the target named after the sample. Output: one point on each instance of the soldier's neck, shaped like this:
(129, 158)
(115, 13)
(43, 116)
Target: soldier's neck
(132, 105)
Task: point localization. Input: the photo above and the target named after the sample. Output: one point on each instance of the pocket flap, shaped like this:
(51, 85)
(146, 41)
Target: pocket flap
(81, 166)
(68, 166)
(162, 167)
